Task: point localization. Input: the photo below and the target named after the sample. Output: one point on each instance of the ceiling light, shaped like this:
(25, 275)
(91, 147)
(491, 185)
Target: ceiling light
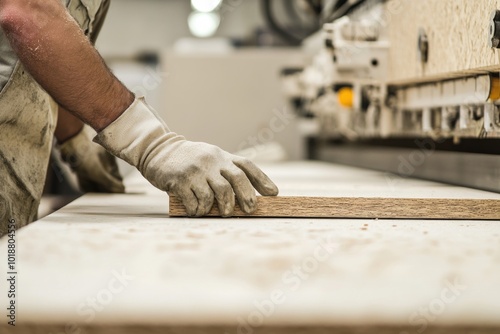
(203, 24)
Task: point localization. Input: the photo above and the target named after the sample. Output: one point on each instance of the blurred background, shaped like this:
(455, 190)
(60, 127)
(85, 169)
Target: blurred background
(359, 82)
(210, 67)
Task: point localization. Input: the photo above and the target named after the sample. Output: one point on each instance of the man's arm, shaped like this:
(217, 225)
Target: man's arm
(61, 59)
(52, 47)
(68, 125)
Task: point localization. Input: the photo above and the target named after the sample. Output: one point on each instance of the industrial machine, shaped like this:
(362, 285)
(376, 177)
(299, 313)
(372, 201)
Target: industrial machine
(408, 87)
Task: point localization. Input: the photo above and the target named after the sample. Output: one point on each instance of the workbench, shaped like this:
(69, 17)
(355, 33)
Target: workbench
(119, 264)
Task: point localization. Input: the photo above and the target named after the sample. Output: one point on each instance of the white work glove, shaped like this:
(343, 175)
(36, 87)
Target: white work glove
(197, 173)
(94, 167)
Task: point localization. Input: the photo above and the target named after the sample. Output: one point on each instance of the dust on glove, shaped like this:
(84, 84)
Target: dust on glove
(197, 173)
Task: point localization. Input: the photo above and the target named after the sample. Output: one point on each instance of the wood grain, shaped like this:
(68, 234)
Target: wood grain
(458, 38)
(362, 207)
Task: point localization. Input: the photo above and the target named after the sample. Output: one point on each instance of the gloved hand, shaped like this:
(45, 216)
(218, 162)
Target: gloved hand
(195, 172)
(95, 168)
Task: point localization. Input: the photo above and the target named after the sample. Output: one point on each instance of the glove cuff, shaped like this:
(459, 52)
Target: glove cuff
(135, 134)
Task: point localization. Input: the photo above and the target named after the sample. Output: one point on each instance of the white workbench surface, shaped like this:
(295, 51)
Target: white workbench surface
(213, 272)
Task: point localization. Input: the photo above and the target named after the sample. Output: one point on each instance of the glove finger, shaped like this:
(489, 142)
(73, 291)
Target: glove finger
(88, 186)
(111, 166)
(245, 193)
(205, 197)
(101, 182)
(223, 194)
(117, 187)
(188, 199)
(110, 183)
(104, 185)
(257, 177)
(114, 180)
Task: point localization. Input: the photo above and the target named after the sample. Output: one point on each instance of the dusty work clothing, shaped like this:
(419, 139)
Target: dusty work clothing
(27, 121)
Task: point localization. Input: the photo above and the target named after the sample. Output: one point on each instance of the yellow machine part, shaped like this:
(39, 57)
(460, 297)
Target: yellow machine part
(494, 87)
(346, 97)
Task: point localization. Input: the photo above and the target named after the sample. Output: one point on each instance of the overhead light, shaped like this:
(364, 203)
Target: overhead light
(205, 6)
(203, 24)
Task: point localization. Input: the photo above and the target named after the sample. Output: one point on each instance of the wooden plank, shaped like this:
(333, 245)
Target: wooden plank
(362, 207)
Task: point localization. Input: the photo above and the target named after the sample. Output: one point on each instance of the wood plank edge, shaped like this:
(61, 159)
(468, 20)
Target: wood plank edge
(374, 207)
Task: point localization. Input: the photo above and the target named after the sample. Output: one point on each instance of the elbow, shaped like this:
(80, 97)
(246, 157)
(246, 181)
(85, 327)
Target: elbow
(17, 28)
(11, 17)
(24, 16)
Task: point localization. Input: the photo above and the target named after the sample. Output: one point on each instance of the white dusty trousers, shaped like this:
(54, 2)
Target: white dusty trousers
(27, 121)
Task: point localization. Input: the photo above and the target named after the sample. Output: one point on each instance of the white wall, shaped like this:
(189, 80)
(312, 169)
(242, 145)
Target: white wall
(137, 25)
(231, 100)
(228, 100)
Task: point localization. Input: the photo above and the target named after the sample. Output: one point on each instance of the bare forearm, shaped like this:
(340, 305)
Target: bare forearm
(67, 127)
(61, 59)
